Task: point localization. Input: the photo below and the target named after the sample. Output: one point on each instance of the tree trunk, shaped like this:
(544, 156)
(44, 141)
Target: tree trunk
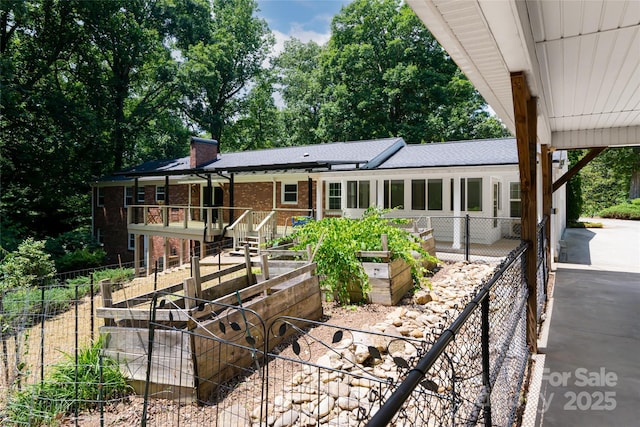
(634, 188)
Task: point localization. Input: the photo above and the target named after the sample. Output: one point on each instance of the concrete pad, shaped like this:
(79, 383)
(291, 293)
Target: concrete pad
(592, 358)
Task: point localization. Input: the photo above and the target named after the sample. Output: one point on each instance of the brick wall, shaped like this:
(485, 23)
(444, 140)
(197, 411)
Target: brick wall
(111, 218)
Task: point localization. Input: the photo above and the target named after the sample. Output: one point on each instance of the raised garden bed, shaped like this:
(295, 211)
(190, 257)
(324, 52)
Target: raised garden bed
(390, 279)
(193, 351)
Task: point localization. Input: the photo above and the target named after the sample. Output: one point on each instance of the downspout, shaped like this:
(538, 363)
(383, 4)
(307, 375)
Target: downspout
(136, 201)
(166, 190)
(310, 195)
(273, 195)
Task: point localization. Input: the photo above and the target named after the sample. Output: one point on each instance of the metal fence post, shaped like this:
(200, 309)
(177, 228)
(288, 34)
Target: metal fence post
(42, 331)
(486, 373)
(467, 237)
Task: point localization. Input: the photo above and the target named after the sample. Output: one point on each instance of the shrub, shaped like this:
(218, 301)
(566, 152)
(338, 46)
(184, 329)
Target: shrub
(75, 250)
(27, 266)
(338, 239)
(81, 259)
(623, 211)
(98, 379)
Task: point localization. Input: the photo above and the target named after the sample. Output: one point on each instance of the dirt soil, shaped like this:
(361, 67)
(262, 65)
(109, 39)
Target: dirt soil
(161, 412)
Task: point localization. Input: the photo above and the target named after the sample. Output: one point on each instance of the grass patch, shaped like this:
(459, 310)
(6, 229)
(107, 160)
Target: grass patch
(96, 379)
(584, 224)
(23, 306)
(624, 211)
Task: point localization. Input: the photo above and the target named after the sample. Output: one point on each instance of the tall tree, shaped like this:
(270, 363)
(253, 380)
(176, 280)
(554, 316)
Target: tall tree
(127, 67)
(80, 83)
(385, 75)
(257, 123)
(299, 77)
(219, 66)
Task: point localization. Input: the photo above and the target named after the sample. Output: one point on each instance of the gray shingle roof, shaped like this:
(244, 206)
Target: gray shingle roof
(388, 153)
(456, 153)
(357, 153)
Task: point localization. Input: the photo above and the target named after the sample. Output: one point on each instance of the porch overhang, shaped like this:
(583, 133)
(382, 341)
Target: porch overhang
(581, 60)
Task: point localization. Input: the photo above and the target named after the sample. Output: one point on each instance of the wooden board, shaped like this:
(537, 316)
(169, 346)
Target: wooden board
(220, 358)
(172, 362)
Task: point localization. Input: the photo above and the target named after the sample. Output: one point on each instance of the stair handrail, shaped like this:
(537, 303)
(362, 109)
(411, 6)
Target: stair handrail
(265, 228)
(240, 227)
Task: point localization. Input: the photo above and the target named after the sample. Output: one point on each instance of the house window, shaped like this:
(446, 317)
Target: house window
(394, 194)
(335, 195)
(128, 196)
(434, 194)
(132, 242)
(140, 198)
(100, 196)
(515, 203)
(99, 238)
(358, 194)
(474, 194)
(290, 193)
(160, 193)
(418, 190)
(470, 194)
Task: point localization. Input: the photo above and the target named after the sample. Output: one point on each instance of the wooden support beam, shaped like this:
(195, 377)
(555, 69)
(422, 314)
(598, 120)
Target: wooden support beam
(526, 122)
(577, 167)
(547, 192)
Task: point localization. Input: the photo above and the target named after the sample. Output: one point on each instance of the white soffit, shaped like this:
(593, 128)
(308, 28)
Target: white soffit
(581, 58)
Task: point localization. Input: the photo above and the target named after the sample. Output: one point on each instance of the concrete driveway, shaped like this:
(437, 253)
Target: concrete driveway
(591, 359)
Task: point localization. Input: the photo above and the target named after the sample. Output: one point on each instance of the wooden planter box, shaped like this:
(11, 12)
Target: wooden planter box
(193, 352)
(390, 279)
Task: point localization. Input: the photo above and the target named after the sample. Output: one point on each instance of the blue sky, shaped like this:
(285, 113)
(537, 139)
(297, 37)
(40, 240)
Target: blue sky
(302, 19)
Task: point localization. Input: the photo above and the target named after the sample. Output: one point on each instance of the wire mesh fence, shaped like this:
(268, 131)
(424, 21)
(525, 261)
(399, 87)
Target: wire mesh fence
(259, 370)
(472, 238)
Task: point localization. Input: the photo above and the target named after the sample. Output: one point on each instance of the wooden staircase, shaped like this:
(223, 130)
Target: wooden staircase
(252, 240)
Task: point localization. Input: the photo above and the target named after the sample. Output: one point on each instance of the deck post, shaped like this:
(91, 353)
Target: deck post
(524, 106)
(547, 192)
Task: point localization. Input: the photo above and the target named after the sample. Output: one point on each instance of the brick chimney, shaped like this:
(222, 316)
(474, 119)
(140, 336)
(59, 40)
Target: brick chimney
(203, 151)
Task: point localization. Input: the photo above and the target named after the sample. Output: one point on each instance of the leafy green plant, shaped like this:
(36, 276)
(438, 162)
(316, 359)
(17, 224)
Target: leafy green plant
(623, 211)
(27, 266)
(337, 240)
(76, 249)
(97, 378)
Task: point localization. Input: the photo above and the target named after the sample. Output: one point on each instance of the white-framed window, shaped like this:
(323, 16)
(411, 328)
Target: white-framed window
(140, 195)
(159, 193)
(131, 244)
(515, 203)
(99, 237)
(393, 194)
(418, 193)
(358, 194)
(100, 196)
(474, 194)
(128, 196)
(335, 196)
(289, 193)
(470, 194)
(434, 194)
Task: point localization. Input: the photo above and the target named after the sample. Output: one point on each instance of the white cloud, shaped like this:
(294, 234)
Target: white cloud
(298, 32)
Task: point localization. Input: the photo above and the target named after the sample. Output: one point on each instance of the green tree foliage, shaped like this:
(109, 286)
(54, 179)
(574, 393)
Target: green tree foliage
(385, 75)
(299, 78)
(91, 87)
(220, 64)
(257, 124)
(612, 178)
(28, 266)
(574, 191)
